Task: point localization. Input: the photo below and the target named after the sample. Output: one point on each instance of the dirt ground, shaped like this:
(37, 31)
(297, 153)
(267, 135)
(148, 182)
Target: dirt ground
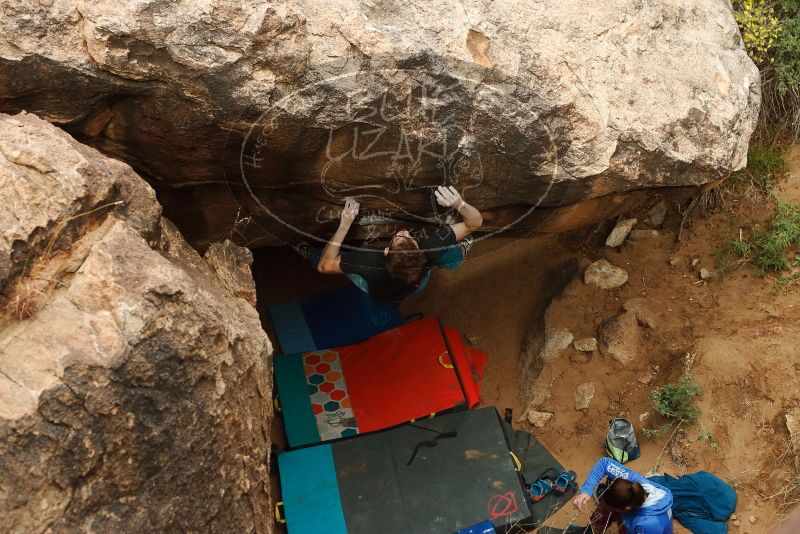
(735, 334)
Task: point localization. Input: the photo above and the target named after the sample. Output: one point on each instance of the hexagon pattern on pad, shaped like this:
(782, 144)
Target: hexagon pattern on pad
(328, 394)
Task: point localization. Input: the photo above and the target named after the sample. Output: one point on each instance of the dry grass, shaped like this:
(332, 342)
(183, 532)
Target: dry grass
(24, 301)
(787, 494)
(785, 477)
(29, 290)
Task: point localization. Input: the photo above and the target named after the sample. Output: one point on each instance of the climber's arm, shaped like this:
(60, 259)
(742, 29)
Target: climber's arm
(472, 221)
(472, 218)
(330, 261)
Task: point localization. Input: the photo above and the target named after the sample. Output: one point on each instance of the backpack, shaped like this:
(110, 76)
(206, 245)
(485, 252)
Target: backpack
(621, 443)
(701, 502)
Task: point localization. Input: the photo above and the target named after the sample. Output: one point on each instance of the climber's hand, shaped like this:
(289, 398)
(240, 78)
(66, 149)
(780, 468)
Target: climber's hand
(448, 197)
(580, 500)
(350, 211)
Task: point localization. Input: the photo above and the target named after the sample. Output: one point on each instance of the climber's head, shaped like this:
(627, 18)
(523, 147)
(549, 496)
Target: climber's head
(404, 259)
(623, 495)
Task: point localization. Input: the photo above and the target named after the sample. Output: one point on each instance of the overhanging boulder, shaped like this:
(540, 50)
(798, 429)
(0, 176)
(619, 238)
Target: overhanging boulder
(549, 115)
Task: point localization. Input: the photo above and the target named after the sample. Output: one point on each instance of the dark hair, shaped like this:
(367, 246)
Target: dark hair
(405, 261)
(622, 494)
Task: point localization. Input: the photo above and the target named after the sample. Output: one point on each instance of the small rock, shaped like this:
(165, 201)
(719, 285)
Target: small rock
(472, 339)
(640, 307)
(674, 261)
(643, 416)
(620, 232)
(604, 275)
(734, 517)
(584, 395)
(554, 344)
(695, 261)
(753, 519)
(538, 395)
(539, 419)
(588, 344)
(657, 214)
(621, 338)
(736, 523)
(645, 379)
(705, 274)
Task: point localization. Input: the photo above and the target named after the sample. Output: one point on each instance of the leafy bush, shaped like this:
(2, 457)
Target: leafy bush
(771, 34)
(760, 28)
(741, 247)
(676, 401)
(787, 56)
(790, 7)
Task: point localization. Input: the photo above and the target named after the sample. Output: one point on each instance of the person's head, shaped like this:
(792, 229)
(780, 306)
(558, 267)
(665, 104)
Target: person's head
(404, 259)
(623, 495)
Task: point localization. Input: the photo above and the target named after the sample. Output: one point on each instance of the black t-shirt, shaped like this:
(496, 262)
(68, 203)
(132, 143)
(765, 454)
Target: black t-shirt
(371, 264)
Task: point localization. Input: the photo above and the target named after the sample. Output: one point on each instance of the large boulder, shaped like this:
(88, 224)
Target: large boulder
(135, 389)
(547, 114)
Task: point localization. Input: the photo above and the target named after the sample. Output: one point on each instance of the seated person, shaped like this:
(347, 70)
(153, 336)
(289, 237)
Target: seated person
(402, 268)
(644, 506)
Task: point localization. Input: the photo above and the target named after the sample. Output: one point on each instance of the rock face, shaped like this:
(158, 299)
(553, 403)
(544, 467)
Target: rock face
(135, 389)
(232, 264)
(531, 105)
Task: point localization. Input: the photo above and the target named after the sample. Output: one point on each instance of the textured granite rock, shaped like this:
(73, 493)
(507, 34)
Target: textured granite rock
(135, 389)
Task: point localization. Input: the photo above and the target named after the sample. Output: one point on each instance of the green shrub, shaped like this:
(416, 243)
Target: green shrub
(676, 401)
(769, 250)
(770, 31)
(783, 232)
(787, 56)
(766, 161)
(765, 167)
(741, 247)
(655, 433)
(790, 8)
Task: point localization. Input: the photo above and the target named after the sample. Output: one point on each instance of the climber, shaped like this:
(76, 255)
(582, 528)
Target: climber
(643, 506)
(404, 266)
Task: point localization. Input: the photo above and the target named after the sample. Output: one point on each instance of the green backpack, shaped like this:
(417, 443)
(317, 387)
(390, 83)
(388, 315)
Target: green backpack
(621, 443)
